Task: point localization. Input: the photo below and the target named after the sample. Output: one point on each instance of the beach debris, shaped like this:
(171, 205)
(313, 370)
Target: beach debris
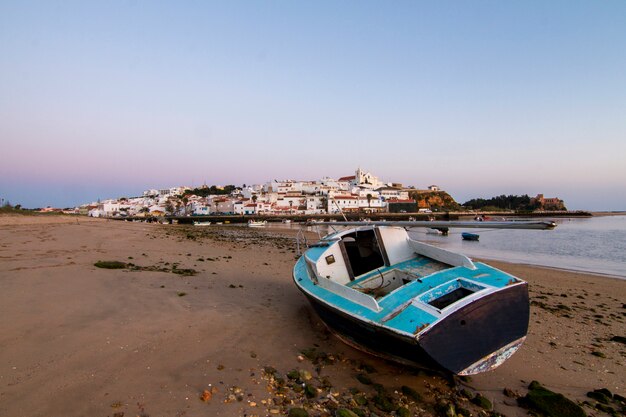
(206, 396)
(549, 403)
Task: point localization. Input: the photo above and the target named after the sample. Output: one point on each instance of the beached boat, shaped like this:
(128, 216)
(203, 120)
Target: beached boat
(257, 223)
(385, 293)
(469, 236)
(201, 223)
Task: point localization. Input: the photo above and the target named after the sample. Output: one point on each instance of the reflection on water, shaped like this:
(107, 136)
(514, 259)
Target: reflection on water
(596, 244)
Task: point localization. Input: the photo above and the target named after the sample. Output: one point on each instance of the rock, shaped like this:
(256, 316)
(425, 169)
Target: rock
(305, 375)
(411, 393)
(510, 393)
(310, 391)
(360, 399)
(384, 402)
(482, 402)
(599, 396)
(298, 412)
(605, 408)
(460, 411)
(403, 412)
(467, 393)
(549, 403)
(445, 408)
(344, 412)
(450, 410)
(293, 374)
(364, 379)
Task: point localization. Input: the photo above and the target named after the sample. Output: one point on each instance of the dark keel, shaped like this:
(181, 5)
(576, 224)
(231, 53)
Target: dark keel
(465, 337)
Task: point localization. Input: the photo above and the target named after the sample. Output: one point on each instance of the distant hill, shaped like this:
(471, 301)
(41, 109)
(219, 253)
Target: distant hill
(434, 200)
(502, 202)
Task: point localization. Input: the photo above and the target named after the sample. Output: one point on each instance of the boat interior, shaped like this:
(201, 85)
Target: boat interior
(369, 264)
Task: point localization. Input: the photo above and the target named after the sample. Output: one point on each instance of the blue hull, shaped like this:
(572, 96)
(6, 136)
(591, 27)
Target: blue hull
(462, 340)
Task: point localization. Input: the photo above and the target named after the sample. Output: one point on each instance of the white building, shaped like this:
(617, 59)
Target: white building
(339, 203)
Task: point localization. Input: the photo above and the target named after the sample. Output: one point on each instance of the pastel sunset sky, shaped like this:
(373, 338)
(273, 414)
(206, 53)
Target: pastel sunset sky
(104, 99)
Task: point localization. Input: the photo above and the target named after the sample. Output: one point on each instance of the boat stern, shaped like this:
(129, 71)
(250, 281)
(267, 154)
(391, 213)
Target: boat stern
(481, 335)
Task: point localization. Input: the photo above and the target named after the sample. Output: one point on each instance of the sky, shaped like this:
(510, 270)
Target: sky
(108, 99)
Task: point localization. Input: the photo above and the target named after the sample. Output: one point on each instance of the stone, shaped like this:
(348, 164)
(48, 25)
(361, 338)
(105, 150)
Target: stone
(549, 403)
(482, 402)
(384, 402)
(344, 412)
(364, 379)
(298, 412)
(310, 391)
(510, 393)
(599, 396)
(403, 412)
(411, 393)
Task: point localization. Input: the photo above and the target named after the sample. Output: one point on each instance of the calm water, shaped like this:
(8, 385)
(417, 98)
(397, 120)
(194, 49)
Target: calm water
(596, 244)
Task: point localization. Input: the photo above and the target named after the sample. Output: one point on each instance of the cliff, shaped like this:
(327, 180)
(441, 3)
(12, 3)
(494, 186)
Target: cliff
(434, 200)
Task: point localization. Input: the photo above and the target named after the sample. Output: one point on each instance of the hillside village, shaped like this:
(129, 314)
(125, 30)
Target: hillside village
(361, 192)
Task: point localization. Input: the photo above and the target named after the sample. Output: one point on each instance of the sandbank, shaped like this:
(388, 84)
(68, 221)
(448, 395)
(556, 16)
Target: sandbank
(79, 340)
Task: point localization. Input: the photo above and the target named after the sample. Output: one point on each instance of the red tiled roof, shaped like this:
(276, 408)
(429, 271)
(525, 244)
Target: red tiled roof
(347, 178)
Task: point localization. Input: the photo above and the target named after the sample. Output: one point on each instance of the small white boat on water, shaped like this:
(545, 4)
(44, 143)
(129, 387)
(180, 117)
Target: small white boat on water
(201, 223)
(257, 223)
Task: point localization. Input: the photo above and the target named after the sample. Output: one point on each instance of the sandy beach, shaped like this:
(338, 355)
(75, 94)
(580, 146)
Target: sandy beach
(212, 312)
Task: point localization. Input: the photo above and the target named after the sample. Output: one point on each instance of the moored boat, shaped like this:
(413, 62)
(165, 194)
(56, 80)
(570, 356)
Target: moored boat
(469, 236)
(385, 293)
(257, 223)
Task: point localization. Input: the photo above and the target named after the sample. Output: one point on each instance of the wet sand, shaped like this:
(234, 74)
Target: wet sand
(145, 340)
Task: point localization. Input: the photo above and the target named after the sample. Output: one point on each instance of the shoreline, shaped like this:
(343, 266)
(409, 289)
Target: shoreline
(151, 340)
(555, 268)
